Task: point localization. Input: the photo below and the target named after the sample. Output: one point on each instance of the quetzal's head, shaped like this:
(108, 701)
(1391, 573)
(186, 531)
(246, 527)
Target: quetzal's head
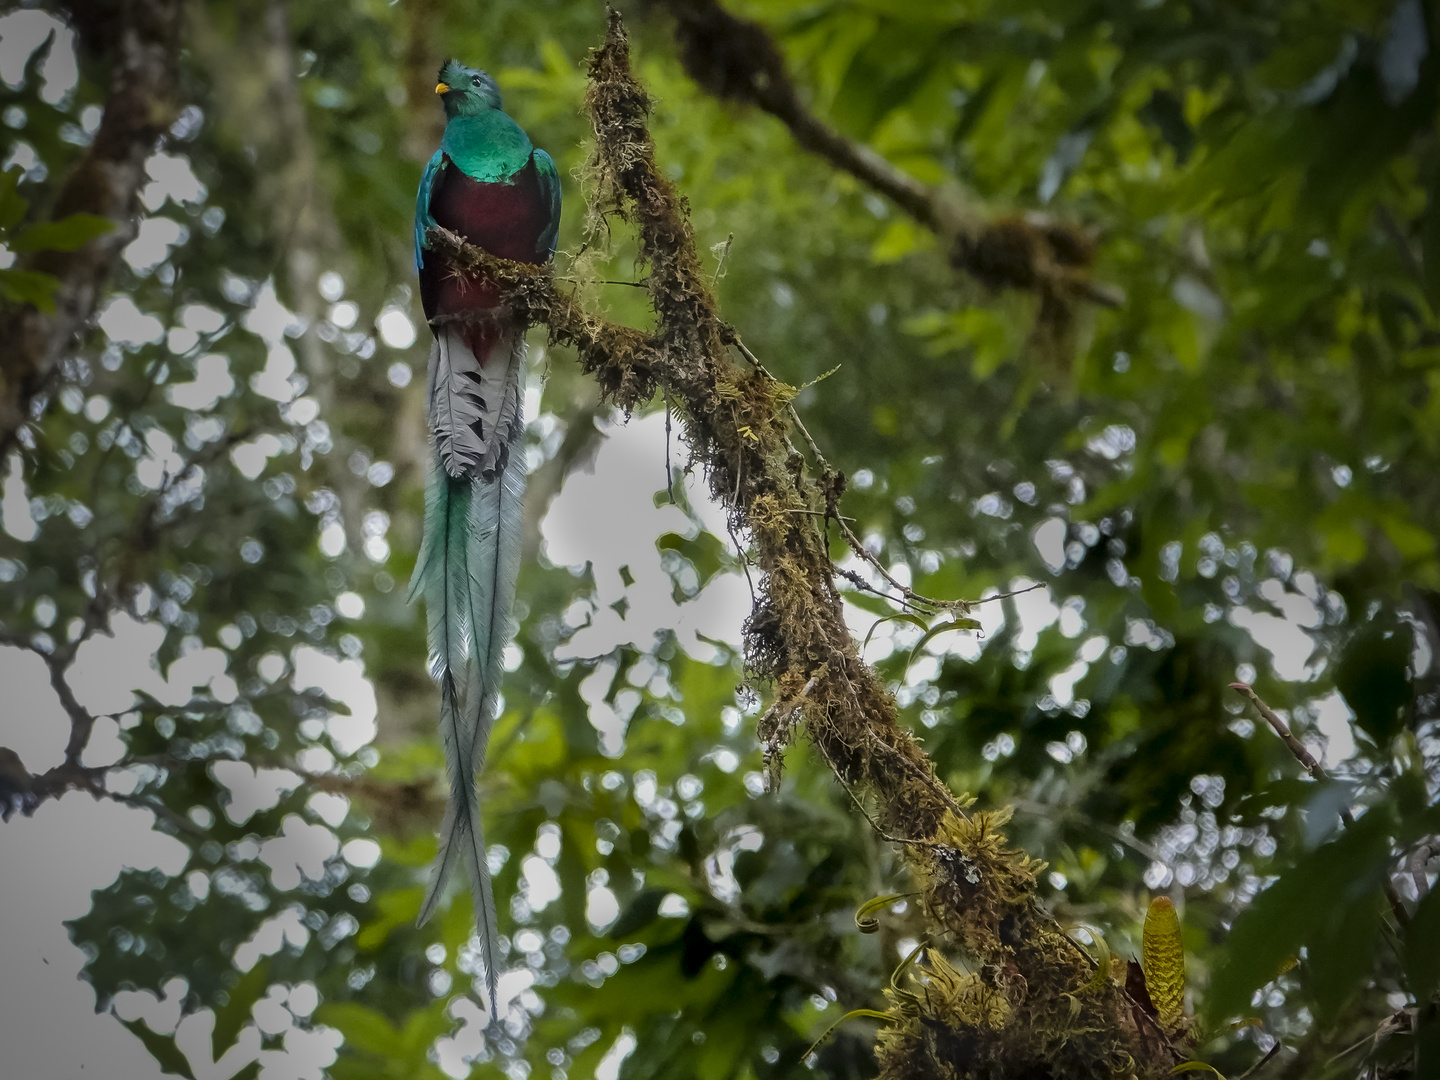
(466, 91)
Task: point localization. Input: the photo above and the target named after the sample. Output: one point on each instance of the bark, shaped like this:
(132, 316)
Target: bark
(422, 62)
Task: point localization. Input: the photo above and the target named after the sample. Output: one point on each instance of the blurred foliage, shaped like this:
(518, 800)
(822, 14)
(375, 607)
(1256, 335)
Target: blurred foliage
(67, 234)
(1231, 476)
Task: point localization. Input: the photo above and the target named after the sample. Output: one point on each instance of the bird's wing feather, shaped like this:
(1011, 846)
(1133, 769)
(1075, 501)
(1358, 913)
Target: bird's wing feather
(549, 178)
(423, 220)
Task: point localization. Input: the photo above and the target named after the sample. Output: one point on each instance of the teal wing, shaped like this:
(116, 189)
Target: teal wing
(549, 190)
(423, 220)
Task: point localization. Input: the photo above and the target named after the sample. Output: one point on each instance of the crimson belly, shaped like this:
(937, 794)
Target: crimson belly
(505, 219)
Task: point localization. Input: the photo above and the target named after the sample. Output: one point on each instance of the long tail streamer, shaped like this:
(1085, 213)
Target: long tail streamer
(468, 564)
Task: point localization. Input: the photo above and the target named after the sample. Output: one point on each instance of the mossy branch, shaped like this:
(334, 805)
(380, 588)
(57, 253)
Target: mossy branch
(1021, 1014)
(736, 59)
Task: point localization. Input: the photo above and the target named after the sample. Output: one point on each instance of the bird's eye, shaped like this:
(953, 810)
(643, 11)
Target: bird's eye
(475, 80)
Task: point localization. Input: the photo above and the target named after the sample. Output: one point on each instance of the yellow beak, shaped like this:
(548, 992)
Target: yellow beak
(441, 88)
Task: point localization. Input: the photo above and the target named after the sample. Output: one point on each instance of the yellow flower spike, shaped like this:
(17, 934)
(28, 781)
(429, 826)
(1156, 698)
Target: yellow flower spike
(1163, 958)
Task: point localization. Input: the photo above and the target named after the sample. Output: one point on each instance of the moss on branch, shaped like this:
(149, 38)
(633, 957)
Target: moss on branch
(1028, 1010)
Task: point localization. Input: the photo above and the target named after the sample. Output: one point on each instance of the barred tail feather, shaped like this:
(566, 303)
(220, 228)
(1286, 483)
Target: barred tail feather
(469, 400)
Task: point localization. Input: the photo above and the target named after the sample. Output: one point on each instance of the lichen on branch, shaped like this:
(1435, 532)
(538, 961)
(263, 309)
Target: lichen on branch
(1029, 1007)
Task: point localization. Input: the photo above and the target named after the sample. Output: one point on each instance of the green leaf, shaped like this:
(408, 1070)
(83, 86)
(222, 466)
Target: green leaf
(396, 908)
(30, 287)
(162, 1048)
(865, 915)
(941, 628)
(249, 1072)
(365, 1029)
(1422, 947)
(1304, 908)
(12, 203)
(1427, 1044)
(706, 553)
(1342, 947)
(1102, 958)
(639, 913)
(67, 234)
(231, 1017)
(1373, 675)
(991, 338)
(900, 238)
(1430, 242)
(899, 616)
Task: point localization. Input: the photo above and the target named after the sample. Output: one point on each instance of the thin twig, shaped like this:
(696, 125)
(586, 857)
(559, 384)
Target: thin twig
(641, 284)
(910, 597)
(1356, 1045)
(1008, 595)
(159, 809)
(82, 721)
(744, 561)
(860, 583)
(1295, 746)
(669, 475)
(1307, 760)
(930, 779)
(57, 663)
(866, 813)
(1275, 1049)
(1060, 813)
(816, 513)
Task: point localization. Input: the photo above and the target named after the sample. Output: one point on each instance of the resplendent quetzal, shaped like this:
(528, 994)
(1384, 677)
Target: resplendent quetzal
(488, 184)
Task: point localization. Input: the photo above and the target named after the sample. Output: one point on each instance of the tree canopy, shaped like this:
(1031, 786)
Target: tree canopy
(1081, 358)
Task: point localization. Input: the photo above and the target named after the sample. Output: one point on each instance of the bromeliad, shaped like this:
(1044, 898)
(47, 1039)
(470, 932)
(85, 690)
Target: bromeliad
(491, 186)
